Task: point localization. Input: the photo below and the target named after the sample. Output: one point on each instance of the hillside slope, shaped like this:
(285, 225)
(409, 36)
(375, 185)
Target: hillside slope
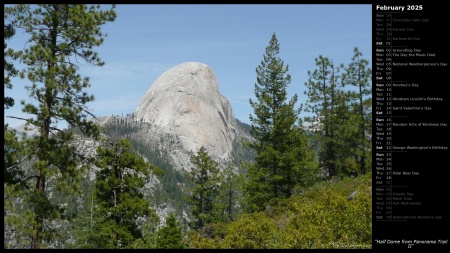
(321, 216)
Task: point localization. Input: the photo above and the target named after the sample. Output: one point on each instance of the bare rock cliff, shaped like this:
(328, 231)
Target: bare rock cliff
(185, 102)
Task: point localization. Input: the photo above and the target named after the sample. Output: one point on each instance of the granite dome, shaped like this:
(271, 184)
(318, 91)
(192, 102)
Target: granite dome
(185, 101)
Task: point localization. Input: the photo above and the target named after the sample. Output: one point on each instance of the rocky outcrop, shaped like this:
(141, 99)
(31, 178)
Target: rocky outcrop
(185, 102)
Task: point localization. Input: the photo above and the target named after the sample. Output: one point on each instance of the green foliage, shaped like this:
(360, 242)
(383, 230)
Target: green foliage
(229, 194)
(149, 236)
(118, 199)
(12, 157)
(241, 153)
(169, 191)
(255, 231)
(10, 71)
(59, 37)
(170, 236)
(280, 163)
(205, 182)
(359, 75)
(256, 189)
(279, 143)
(341, 120)
(17, 218)
(323, 98)
(318, 217)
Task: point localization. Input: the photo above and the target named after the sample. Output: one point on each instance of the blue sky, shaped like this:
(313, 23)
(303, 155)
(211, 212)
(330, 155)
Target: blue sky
(146, 40)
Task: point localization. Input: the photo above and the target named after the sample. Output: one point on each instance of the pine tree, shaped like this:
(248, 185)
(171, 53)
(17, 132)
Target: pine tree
(9, 29)
(60, 36)
(17, 220)
(278, 142)
(323, 98)
(170, 235)
(12, 146)
(149, 233)
(346, 143)
(202, 193)
(359, 76)
(118, 197)
(229, 194)
(341, 120)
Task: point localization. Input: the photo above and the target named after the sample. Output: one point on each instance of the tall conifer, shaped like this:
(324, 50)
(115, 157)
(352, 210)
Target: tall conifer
(279, 142)
(61, 36)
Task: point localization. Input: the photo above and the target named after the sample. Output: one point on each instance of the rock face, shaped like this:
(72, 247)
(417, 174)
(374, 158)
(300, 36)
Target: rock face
(185, 102)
